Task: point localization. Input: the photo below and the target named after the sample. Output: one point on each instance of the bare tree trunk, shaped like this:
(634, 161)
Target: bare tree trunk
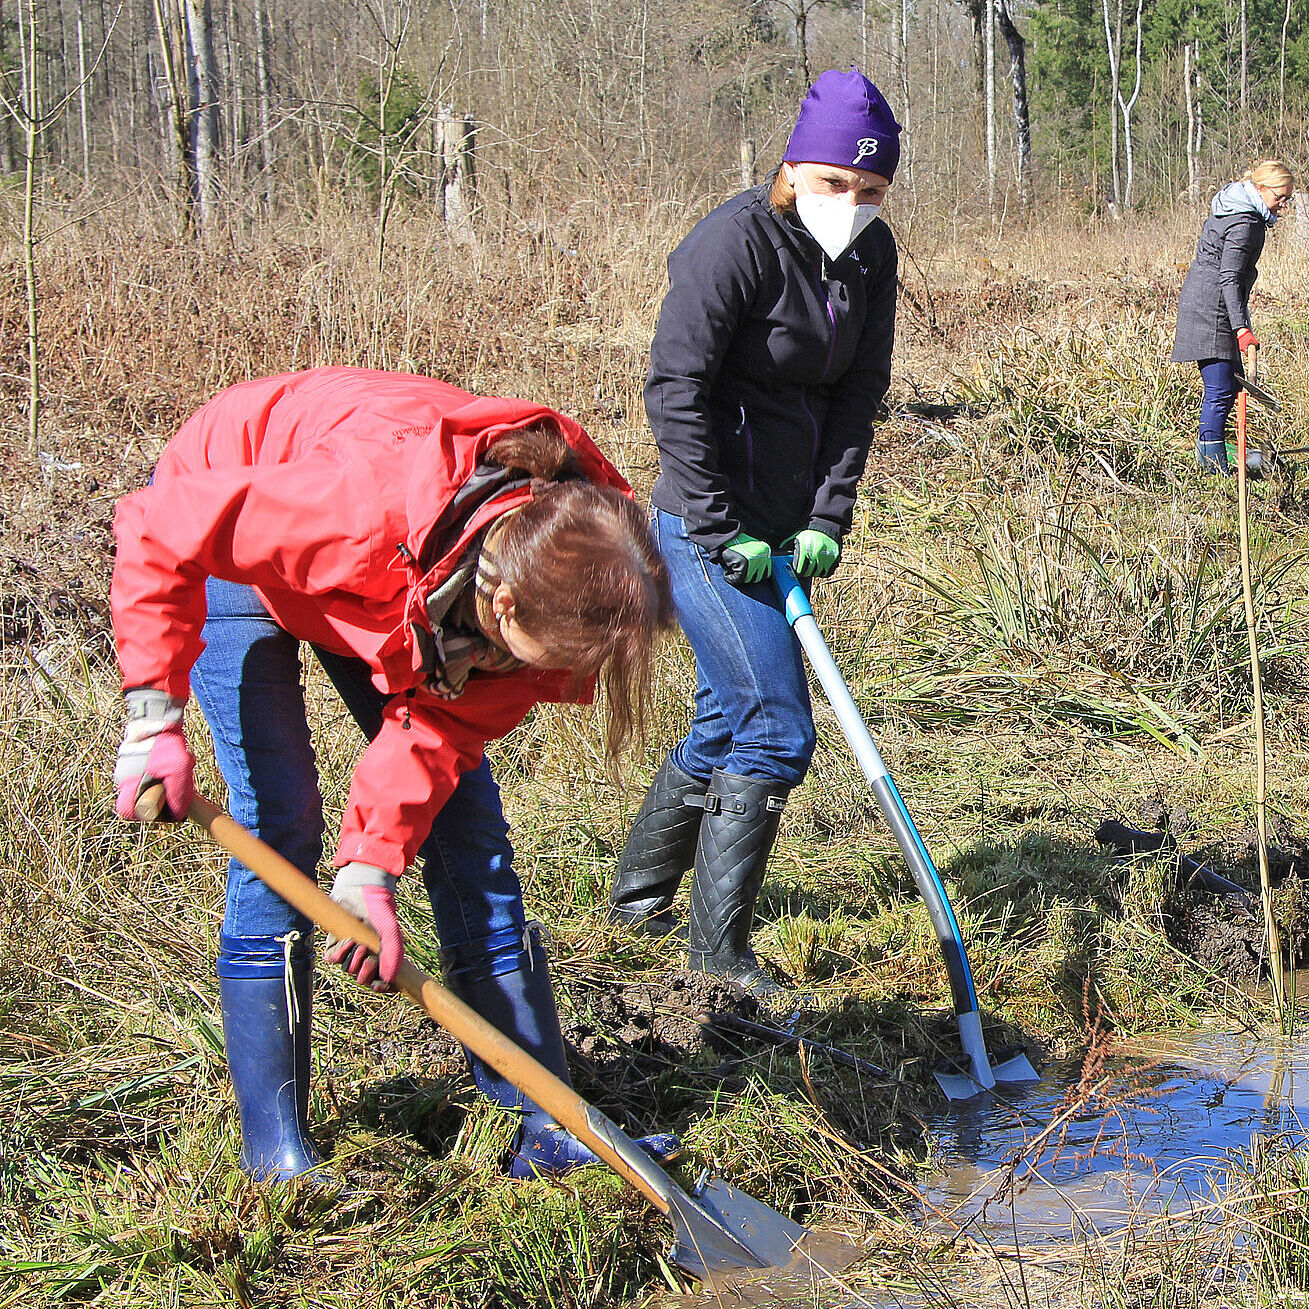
(1128, 106)
(81, 96)
(906, 81)
(643, 118)
(1281, 70)
(199, 30)
(801, 15)
(235, 131)
(989, 82)
(458, 162)
(173, 55)
(1192, 182)
(1022, 116)
(896, 41)
(1245, 63)
(1112, 42)
(263, 93)
(31, 135)
(136, 61)
(7, 127)
(58, 92)
(748, 174)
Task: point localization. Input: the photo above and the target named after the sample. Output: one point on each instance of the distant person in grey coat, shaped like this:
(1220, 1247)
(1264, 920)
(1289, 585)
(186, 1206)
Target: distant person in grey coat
(1213, 312)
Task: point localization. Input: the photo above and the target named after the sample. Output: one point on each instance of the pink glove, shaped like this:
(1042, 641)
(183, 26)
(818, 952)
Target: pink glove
(154, 752)
(368, 893)
(1245, 338)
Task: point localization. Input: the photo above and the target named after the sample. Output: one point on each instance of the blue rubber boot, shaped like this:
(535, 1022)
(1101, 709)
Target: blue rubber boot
(265, 983)
(506, 979)
(1212, 456)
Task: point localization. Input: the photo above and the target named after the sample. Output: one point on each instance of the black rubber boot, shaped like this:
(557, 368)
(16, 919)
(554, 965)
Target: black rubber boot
(741, 816)
(660, 850)
(506, 979)
(266, 1026)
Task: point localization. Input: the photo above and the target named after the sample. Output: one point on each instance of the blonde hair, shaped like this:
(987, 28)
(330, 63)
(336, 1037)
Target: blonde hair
(782, 193)
(1271, 173)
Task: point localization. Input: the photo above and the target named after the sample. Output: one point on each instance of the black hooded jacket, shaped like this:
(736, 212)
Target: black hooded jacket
(767, 368)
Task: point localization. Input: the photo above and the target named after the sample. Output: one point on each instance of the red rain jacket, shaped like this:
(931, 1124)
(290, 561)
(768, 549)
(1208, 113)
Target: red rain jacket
(319, 489)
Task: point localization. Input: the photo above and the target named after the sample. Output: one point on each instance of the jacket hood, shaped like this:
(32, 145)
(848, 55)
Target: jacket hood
(1241, 198)
(449, 460)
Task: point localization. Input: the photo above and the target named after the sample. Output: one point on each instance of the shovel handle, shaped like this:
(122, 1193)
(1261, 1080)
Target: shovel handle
(488, 1043)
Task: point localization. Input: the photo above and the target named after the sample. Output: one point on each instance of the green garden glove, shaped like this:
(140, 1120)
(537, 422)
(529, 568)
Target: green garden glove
(747, 560)
(815, 553)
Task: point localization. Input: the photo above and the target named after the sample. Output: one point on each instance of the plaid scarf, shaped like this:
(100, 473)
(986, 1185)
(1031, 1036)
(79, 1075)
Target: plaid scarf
(457, 645)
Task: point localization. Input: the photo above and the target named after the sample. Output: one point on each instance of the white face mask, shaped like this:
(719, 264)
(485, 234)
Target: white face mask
(831, 221)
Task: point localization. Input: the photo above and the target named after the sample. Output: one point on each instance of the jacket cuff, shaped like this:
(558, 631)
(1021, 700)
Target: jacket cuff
(827, 527)
(363, 849)
(713, 540)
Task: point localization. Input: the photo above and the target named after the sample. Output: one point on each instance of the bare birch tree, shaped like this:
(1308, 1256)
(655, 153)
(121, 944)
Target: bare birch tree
(1022, 115)
(1113, 35)
(1127, 106)
(988, 82)
(202, 139)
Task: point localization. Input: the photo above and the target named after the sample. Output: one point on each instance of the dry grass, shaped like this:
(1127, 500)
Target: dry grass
(1034, 611)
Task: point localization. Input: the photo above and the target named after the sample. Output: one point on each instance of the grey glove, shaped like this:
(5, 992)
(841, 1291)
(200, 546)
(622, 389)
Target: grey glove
(154, 752)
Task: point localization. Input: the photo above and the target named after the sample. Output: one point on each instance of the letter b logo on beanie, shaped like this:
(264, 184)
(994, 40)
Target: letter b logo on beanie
(844, 119)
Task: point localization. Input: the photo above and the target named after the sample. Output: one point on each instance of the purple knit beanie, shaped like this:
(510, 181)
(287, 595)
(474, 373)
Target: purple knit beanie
(845, 120)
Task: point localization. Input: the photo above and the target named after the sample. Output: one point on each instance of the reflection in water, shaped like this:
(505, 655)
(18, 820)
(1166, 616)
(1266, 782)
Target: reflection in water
(1149, 1129)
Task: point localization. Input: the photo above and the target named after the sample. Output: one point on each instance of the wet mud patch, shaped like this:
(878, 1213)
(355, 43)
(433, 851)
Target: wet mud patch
(662, 1051)
(640, 1029)
(1224, 929)
(1224, 941)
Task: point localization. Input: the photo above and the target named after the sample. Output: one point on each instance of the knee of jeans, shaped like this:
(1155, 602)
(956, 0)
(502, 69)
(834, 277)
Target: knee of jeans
(1221, 391)
(784, 764)
(292, 823)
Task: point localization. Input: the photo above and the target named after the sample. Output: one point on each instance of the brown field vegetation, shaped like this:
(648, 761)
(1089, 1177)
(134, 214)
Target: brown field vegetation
(1039, 614)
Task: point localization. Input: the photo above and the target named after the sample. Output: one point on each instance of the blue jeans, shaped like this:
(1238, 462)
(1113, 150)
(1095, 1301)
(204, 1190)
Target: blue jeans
(752, 714)
(248, 684)
(1220, 387)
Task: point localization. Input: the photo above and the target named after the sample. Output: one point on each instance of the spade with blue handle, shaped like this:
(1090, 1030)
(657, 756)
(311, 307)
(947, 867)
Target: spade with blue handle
(981, 1073)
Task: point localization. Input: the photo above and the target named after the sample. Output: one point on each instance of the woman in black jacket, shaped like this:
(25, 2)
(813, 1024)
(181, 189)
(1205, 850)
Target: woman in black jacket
(1213, 311)
(771, 358)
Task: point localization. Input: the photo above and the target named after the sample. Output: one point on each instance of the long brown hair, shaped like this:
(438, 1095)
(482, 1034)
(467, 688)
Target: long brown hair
(587, 578)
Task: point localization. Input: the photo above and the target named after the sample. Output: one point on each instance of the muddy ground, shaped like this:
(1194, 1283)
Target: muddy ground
(1225, 933)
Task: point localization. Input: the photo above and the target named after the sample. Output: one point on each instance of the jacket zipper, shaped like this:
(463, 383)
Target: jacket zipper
(813, 423)
(831, 340)
(744, 430)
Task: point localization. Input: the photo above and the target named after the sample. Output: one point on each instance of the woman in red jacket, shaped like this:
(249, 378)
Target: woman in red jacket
(452, 561)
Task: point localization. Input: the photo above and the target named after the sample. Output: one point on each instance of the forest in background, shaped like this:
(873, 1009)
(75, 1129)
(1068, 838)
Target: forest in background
(233, 109)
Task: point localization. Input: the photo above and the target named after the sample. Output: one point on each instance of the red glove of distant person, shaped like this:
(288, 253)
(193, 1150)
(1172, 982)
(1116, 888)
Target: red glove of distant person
(368, 893)
(154, 752)
(1245, 338)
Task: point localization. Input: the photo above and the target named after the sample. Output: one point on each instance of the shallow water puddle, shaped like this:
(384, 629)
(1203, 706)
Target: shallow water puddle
(1148, 1129)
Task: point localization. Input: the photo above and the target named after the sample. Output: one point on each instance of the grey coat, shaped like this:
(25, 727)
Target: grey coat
(1215, 300)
